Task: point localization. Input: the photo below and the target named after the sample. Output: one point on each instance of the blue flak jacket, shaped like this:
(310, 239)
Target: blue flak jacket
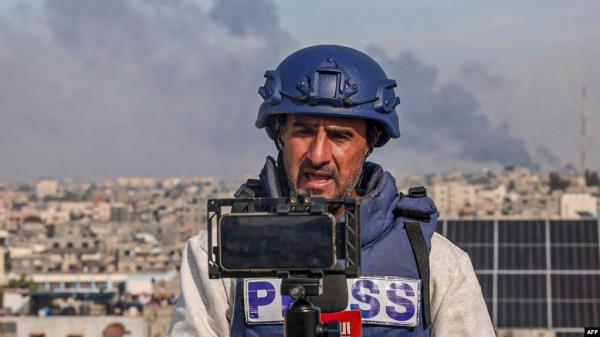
(386, 246)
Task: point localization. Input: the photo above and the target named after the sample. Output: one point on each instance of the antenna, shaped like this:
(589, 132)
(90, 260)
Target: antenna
(582, 166)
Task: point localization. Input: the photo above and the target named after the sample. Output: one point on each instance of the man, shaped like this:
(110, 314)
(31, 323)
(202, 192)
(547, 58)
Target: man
(327, 108)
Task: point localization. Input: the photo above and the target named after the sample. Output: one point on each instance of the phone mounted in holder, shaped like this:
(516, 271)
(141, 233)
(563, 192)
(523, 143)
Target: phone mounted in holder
(296, 239)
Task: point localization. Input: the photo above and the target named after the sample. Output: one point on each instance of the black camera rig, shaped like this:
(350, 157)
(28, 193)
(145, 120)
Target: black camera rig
(246, 238)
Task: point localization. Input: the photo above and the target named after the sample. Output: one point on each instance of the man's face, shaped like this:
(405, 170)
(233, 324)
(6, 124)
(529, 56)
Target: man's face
(323, 155)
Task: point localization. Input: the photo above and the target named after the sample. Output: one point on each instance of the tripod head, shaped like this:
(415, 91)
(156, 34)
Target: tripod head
(302, 318)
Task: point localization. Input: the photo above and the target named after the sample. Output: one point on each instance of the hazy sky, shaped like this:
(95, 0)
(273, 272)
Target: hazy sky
(157, 87)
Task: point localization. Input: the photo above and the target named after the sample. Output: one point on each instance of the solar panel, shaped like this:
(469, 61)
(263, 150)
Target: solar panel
(470, 231)
(546, 272)
(481, 257)
(440, 227)
(476, 238)
(487, 283)
(519, 287)
(522, 231)
(521, 314)
(580, 314)
(518, 257)
(573, 231)
(576, 286)
(575, 257)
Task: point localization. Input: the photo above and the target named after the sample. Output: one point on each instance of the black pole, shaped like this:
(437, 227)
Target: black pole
(302, 319)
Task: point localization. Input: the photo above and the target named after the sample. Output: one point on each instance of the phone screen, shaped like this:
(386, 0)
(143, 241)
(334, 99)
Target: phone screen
(277, 242)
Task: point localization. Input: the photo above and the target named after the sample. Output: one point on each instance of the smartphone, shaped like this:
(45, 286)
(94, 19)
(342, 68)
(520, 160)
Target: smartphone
(271, 242)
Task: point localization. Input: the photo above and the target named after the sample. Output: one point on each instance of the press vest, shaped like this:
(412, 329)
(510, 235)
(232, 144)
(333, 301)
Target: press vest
(396, 231)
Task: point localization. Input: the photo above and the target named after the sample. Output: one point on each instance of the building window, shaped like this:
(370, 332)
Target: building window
(8, 327)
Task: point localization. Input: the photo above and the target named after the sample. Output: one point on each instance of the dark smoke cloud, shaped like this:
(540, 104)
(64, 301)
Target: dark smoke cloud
(147, 87)
(247, 18)
(447, 117)
(476, 74)
(155, 87)
(547, 157)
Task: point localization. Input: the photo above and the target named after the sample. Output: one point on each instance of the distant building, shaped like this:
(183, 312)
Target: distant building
(72, 326)
(578, 205)
(47, 188)
(101, 211)
(3, 243)
(136, 182)
(458, 199)
(119, 212)
(4, 211)
(453, 198)
(132, 283)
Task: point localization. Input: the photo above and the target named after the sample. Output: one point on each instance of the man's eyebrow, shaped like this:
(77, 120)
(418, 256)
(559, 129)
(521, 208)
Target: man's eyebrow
(340, 130)
(303, 124)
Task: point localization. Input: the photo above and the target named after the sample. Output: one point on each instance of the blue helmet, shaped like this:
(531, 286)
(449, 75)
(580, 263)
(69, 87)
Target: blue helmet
(330, 80)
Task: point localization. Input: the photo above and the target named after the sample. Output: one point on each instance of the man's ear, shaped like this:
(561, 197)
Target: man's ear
(280, 128)
(280, 132)
(373, 135)
(371, 143)
(376, 140)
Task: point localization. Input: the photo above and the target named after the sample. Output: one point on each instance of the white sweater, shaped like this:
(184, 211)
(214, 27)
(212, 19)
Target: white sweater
(457, 305)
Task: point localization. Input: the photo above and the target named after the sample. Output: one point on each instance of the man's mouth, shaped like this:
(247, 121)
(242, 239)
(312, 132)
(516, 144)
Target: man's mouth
(317, 179)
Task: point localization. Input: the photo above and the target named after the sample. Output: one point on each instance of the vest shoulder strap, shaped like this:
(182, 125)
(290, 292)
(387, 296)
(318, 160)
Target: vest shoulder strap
(252, 188)
(419, 247)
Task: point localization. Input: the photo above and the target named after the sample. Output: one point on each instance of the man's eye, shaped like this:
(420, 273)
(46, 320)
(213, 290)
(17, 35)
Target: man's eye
(341, 136)
(304, 132)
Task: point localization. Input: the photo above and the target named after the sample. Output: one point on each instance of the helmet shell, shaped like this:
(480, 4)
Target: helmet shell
(330, 80)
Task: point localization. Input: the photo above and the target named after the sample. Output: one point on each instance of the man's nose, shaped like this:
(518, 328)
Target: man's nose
(320, 153)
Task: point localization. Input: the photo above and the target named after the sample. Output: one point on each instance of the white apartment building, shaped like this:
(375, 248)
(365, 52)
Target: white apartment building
(455, 199)
(577, 205)
(47, 188)
(60, 212)
(136, 182)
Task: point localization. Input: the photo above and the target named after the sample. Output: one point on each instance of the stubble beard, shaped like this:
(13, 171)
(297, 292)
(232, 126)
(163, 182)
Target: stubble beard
(341, 192)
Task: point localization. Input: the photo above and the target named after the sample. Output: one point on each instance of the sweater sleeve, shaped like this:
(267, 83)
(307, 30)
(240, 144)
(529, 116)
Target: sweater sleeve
(201, 310)
(462, 310)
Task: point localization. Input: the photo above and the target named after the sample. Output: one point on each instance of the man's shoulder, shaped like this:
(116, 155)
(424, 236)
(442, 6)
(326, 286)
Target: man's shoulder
(441, 245)
(445, 256)
(198, 243)
(457, 304)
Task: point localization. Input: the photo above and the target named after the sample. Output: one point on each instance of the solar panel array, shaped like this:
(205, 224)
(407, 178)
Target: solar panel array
(534, 274)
